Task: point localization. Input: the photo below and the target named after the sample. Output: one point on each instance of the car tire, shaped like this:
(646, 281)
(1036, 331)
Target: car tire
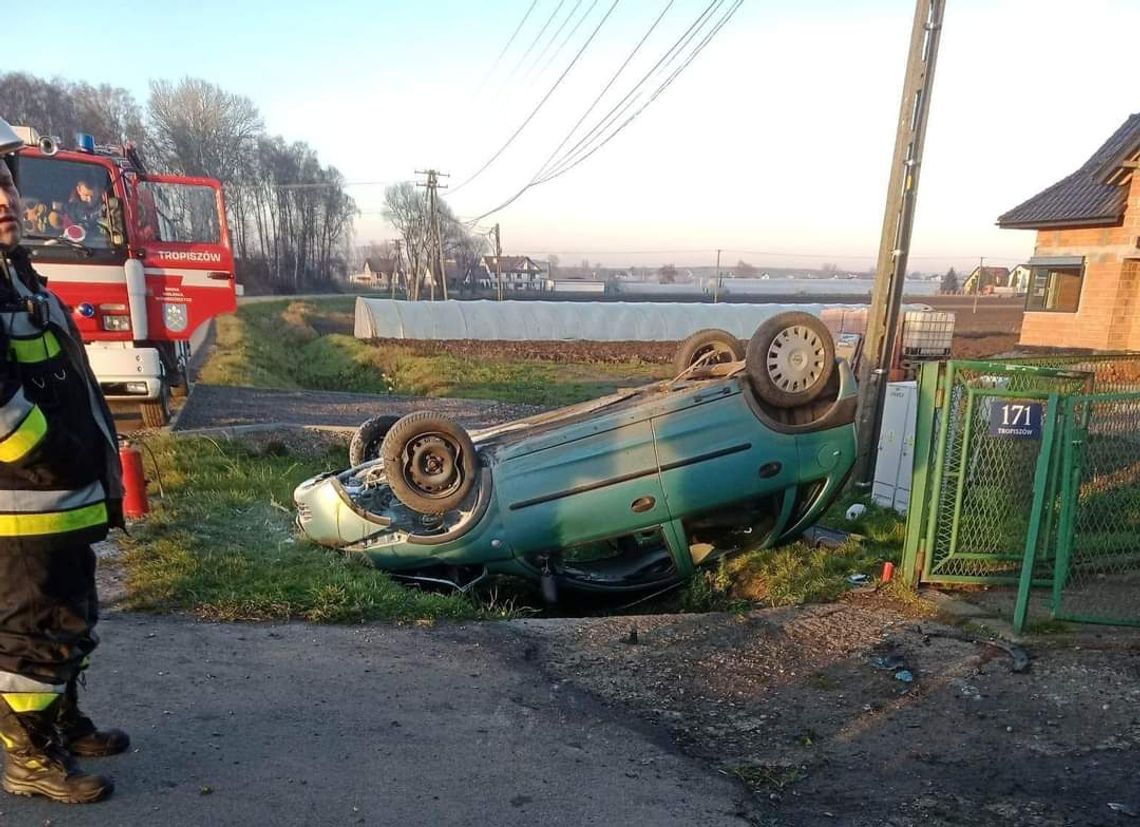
(365, 445)
(429, 461)
(790, 359)
(712, 345)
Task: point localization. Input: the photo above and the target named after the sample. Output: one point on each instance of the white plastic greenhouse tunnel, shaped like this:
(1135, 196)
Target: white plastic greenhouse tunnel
(569, 321)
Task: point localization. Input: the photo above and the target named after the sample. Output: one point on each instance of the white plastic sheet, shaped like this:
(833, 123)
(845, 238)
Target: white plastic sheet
(560, 321)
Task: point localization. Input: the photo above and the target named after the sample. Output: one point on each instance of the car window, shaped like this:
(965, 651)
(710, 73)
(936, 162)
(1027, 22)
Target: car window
(742, 525)
(638, 557)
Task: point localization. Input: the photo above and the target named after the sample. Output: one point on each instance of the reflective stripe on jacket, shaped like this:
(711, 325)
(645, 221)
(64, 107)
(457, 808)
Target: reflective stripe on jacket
(60, 480)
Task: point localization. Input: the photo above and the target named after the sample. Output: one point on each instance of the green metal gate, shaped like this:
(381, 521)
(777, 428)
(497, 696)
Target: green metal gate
(974, 491)
(1053, 501)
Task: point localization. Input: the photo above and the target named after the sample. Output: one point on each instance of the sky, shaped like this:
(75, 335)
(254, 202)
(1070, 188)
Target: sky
(774, 144)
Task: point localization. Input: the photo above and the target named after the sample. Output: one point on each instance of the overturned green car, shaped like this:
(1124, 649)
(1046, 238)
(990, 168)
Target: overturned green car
(629, 492)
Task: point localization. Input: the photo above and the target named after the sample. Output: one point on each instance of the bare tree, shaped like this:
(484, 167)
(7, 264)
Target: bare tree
(109, 113)
(744, 269)
(198, 128)
(667, 274)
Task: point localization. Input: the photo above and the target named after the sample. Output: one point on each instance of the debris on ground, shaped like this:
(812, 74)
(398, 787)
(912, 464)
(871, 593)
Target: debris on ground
(1019, 656)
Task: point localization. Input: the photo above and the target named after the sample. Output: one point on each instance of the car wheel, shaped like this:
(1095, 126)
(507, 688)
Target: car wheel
(365, 445)
(429, 461)
(710, 346)
(790, 358)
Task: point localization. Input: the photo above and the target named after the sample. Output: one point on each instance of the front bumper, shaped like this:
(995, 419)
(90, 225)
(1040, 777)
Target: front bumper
(134, 374)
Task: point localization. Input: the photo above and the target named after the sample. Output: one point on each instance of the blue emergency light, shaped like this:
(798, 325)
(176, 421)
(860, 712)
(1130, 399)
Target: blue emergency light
(84, 142)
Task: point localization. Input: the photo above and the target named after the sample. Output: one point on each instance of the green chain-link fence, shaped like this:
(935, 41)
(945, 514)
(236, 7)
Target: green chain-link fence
(1097, 570)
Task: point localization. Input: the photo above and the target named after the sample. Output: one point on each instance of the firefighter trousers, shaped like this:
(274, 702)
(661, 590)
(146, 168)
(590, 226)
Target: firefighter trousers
(48, 610)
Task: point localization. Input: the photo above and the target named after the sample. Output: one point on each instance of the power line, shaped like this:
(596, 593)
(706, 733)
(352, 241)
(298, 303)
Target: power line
(545, 97)
(667, 58)
(554, 37)
(613, 79)
(631, 96)
(562, 45)
(506, 46)
(538, 37)
(569, 165)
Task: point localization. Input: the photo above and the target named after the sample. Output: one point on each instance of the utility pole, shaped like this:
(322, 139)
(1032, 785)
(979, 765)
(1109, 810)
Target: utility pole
(716, 278)
(435, 238)
(978, 281)
(894, 243)
(498, 263)
(399, 266)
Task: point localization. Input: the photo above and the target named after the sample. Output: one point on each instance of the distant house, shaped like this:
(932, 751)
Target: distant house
(376, 273)
(518, 273)
(1019, 279)
(986, 279)
(1084, 280)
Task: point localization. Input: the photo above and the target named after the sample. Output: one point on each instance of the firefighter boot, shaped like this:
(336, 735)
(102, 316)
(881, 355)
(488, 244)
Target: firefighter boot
(37, 764)
(79, 734)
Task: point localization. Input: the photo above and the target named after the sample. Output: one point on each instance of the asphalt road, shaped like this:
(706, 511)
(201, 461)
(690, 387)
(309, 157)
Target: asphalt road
(294, 724)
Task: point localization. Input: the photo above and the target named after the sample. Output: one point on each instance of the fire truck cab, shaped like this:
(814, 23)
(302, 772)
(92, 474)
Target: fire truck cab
(142, 260)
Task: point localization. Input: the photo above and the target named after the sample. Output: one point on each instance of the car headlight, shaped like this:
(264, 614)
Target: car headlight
(175, 317)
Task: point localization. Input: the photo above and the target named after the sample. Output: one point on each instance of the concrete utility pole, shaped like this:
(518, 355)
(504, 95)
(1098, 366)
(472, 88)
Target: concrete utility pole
(894, 243)
(435, 238)
(399, 266)
(716, 278)
(498, 264)
(978, 281)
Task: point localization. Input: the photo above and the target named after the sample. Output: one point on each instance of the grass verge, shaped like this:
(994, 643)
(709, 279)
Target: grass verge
(798, 573)
(308, 345)
(220, 543)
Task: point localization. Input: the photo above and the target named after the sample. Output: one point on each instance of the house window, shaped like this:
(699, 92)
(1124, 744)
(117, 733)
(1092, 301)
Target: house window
(1055, 288)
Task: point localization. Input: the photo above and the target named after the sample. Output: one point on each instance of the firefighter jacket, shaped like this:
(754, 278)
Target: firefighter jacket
(60, 478)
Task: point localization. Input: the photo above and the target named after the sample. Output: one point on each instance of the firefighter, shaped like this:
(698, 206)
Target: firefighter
(60, 491)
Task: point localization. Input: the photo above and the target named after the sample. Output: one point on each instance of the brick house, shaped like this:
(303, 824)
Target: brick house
(1084, 285)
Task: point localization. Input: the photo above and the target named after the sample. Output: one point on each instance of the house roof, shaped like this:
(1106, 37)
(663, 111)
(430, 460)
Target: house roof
(513, 264)
(1092, 195)
(380, 265)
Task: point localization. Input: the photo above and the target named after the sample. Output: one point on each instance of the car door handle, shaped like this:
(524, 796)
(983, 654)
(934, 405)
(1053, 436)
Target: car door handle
(769, 470)
(643, 504)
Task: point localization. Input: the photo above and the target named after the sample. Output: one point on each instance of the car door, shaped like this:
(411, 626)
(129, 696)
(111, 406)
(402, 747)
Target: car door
(600, 480)
(713, 451)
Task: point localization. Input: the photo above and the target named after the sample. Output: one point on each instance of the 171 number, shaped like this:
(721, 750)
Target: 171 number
(1020, 415)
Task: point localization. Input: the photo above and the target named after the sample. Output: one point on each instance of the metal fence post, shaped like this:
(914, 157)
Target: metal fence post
(1040, 487)
(918, 513)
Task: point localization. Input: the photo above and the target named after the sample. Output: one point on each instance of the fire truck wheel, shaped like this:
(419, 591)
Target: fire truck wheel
(156, 413)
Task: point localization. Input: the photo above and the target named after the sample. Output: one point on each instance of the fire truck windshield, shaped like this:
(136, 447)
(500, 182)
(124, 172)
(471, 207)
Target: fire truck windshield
(178, 213)
(67, 200)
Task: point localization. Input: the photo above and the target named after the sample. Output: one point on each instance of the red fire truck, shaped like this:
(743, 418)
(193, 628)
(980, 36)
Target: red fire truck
(142, 260)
